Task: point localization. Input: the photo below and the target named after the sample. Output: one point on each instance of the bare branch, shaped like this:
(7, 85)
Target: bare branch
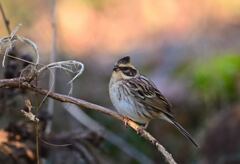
(14, 83)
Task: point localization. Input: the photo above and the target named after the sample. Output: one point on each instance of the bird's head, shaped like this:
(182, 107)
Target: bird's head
(123, 69)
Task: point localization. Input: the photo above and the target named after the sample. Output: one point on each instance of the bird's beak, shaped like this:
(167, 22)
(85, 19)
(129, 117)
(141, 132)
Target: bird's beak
(115, 68)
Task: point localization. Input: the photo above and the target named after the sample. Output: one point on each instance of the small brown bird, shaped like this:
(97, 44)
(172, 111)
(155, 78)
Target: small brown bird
(136, 97)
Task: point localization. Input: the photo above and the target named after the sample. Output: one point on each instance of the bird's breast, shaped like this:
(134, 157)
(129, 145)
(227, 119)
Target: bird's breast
(125, 103)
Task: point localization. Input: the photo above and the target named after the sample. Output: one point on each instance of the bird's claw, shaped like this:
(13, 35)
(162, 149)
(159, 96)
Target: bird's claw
(125, 120)
(140, 130)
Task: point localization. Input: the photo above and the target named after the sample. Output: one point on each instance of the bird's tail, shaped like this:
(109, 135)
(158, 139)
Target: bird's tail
(182, 130)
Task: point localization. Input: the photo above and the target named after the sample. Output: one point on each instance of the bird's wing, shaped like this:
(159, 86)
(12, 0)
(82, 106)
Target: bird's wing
(146, 93)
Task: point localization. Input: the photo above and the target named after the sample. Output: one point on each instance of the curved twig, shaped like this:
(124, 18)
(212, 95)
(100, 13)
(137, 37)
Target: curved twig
(14, 83)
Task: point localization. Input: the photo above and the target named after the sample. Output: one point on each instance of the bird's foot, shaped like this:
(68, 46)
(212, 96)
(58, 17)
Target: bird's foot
(125, 120)
(142, 128)
(145, 126)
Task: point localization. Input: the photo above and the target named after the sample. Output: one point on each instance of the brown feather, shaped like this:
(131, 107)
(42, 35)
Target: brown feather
(147, 93)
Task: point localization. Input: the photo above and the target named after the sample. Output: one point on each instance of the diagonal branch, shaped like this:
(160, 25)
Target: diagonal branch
(111, 137)
(21, 83)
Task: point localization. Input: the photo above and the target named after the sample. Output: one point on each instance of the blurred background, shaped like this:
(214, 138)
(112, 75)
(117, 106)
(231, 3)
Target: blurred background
(189, 49)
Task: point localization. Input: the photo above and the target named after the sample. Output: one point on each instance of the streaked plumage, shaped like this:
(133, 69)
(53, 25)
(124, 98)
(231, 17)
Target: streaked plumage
(136, 97)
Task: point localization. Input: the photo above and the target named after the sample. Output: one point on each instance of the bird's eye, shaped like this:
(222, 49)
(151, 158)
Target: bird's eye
(128, 71)
(115, 68)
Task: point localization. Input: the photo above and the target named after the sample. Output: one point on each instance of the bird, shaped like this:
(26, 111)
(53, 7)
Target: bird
(137, 98)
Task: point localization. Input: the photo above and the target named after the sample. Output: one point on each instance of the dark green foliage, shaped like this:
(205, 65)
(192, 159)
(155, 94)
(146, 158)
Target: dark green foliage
(217, 76)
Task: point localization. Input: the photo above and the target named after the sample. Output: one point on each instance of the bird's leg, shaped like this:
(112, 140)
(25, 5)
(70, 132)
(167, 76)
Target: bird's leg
(146, 125)
(142, 128)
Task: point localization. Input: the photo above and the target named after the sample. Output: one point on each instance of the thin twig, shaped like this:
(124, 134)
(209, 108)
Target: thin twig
(26, 61)
(37, 142)
(69, 66)
(6, 21)
(37, 126)
(14, 83)
(8, 43)
(54, 145)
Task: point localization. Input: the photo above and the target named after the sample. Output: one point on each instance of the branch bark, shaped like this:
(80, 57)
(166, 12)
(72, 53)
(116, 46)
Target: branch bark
(22, 83)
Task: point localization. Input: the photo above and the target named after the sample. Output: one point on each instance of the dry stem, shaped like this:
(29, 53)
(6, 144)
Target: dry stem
(6, 21)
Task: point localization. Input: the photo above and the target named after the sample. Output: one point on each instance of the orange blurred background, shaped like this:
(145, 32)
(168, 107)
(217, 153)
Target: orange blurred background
(118, 26)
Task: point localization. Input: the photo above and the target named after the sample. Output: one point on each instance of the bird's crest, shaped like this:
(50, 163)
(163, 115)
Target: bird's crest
(124, 60)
